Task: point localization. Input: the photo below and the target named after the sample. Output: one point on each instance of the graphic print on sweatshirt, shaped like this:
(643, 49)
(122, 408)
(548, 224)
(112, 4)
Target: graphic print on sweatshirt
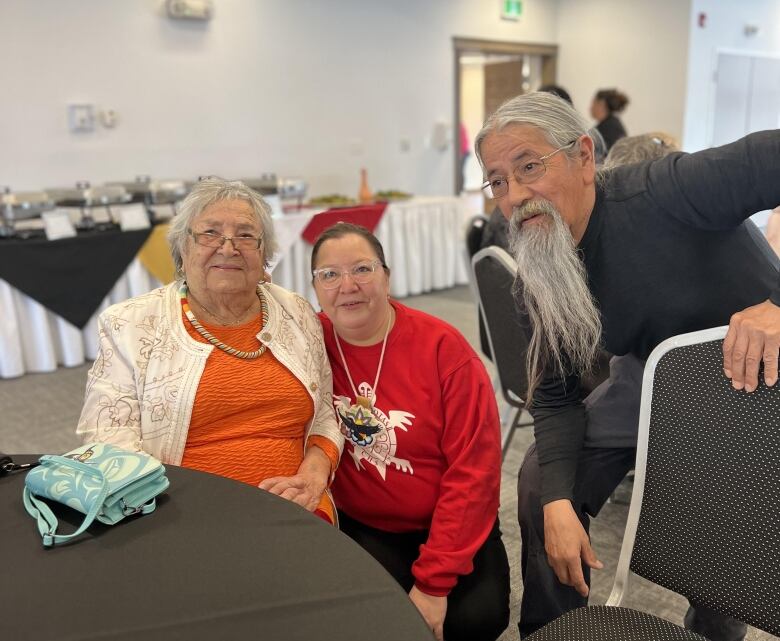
(371, 432)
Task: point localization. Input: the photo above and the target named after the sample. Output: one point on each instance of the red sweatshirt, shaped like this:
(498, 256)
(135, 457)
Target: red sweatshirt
(435, 464)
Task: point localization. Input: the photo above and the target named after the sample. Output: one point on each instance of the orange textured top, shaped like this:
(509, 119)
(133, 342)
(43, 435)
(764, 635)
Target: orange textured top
(249, 416)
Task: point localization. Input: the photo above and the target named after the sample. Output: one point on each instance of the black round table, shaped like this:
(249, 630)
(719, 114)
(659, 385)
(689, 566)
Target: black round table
(218, 559)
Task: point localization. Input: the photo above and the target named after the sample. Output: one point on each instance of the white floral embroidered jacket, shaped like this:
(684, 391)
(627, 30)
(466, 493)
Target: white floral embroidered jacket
(141, 388)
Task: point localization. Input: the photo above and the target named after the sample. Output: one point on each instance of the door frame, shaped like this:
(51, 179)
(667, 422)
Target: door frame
(462, 46)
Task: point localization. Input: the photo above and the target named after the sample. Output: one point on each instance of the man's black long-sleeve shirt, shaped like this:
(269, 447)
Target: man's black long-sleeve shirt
(666, 252)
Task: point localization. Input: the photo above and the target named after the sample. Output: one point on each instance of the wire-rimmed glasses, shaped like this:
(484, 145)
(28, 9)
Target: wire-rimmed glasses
(361, 273)
(532, 168)
(241, 242)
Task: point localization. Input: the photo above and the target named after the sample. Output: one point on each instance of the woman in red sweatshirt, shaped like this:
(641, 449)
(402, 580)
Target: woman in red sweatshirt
(418, 485)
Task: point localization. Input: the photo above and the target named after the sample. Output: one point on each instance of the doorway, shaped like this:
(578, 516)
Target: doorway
(747, 95)
(486, 74)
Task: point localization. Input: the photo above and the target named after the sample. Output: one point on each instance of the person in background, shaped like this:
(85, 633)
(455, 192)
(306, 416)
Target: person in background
(496, 231)
(598, 140)
(419, 488)
(634, 149)
(556, 90)
(465, 152)
(603, 109)
(606, 263)
(220, 371)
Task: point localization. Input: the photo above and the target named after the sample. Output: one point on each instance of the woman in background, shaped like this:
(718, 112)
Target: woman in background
(606, 103)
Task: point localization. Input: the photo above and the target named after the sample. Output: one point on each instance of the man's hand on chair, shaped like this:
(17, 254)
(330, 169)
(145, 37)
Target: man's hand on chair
(753, 338)
(568, 545)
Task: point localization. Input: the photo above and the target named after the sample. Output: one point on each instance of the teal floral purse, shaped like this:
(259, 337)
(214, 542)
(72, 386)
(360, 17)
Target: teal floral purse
(99, 480)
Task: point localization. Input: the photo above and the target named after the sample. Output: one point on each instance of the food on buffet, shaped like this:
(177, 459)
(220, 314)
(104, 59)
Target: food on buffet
(332, 200)
(391, 194)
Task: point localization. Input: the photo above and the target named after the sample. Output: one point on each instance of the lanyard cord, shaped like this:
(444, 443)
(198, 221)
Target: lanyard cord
(381, 359)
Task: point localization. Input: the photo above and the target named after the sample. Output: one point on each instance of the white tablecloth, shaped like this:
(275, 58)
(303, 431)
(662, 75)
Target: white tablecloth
(33, 339)
(422, 238)
(423, 242)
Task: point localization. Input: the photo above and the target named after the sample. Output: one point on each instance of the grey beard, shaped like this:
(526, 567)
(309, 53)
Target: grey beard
(552, 285)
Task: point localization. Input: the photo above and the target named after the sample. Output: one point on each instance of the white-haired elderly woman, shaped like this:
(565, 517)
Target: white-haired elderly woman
(220, 371)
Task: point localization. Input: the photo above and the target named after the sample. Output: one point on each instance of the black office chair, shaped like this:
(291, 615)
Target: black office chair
(704, 518)
(493, 272)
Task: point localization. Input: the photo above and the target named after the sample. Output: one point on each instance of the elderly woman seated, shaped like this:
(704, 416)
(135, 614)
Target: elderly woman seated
(220, 371)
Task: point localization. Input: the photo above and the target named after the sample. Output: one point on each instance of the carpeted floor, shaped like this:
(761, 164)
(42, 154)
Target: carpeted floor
(38, 413)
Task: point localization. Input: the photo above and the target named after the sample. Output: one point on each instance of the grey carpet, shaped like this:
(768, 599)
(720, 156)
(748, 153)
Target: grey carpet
(38, 413)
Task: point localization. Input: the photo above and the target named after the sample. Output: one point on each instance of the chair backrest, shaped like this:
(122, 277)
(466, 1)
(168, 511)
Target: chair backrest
(494, 275)
(705, 514)
(474, 231)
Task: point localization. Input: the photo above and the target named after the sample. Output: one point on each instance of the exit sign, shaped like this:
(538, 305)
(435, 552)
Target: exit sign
(511, 9)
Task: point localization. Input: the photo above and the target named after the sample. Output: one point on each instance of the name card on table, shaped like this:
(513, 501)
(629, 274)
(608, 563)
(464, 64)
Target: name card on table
(275, 203)
(57, 224)
(132, 217)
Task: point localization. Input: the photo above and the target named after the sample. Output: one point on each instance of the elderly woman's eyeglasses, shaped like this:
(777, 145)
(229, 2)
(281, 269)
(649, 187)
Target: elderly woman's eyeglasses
(214, 239)
(530, 170)
(331, 277)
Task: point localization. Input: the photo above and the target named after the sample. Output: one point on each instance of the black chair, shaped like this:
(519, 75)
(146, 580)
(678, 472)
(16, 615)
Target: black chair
(493, 272)
(475, 231)
(704, 519)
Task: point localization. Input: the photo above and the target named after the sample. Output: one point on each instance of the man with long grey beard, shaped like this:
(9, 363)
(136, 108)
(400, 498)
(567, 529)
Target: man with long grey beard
(619, 262)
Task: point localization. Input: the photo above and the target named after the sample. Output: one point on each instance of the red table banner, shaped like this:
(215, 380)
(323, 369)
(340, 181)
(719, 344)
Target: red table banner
(366, 215)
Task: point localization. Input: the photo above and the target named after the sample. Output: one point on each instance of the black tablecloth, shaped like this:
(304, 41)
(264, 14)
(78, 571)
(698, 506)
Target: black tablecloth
(71, 276)
(217, 560)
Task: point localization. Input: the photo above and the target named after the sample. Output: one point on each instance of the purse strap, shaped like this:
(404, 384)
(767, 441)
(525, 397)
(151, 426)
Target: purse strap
(47, 522)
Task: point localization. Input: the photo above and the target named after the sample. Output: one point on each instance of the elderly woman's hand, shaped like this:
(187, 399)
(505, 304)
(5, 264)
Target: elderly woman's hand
(306, 487)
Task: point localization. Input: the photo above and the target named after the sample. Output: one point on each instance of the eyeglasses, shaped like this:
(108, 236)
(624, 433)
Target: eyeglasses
(213, 239)
(530, 170)
(361, 273)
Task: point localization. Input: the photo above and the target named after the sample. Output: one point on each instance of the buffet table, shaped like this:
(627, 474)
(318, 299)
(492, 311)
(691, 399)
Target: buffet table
(49, 292)
(422, 238)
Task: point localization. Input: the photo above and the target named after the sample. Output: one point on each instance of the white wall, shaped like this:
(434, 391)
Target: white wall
(639, 47)
(724, 28)
(316, 88)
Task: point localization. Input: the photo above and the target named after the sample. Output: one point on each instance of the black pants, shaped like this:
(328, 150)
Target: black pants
(599, 472)
(477, 607)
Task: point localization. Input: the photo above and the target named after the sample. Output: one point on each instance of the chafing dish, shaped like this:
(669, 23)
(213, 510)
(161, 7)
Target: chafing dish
(21, 205)
(293, 189)
(168, 192)
(266, 185)
(155, 193)
(86, 197)
(138, 188)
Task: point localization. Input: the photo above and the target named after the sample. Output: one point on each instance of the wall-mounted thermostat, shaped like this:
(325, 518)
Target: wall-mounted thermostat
(81, 118)
(190, 9)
